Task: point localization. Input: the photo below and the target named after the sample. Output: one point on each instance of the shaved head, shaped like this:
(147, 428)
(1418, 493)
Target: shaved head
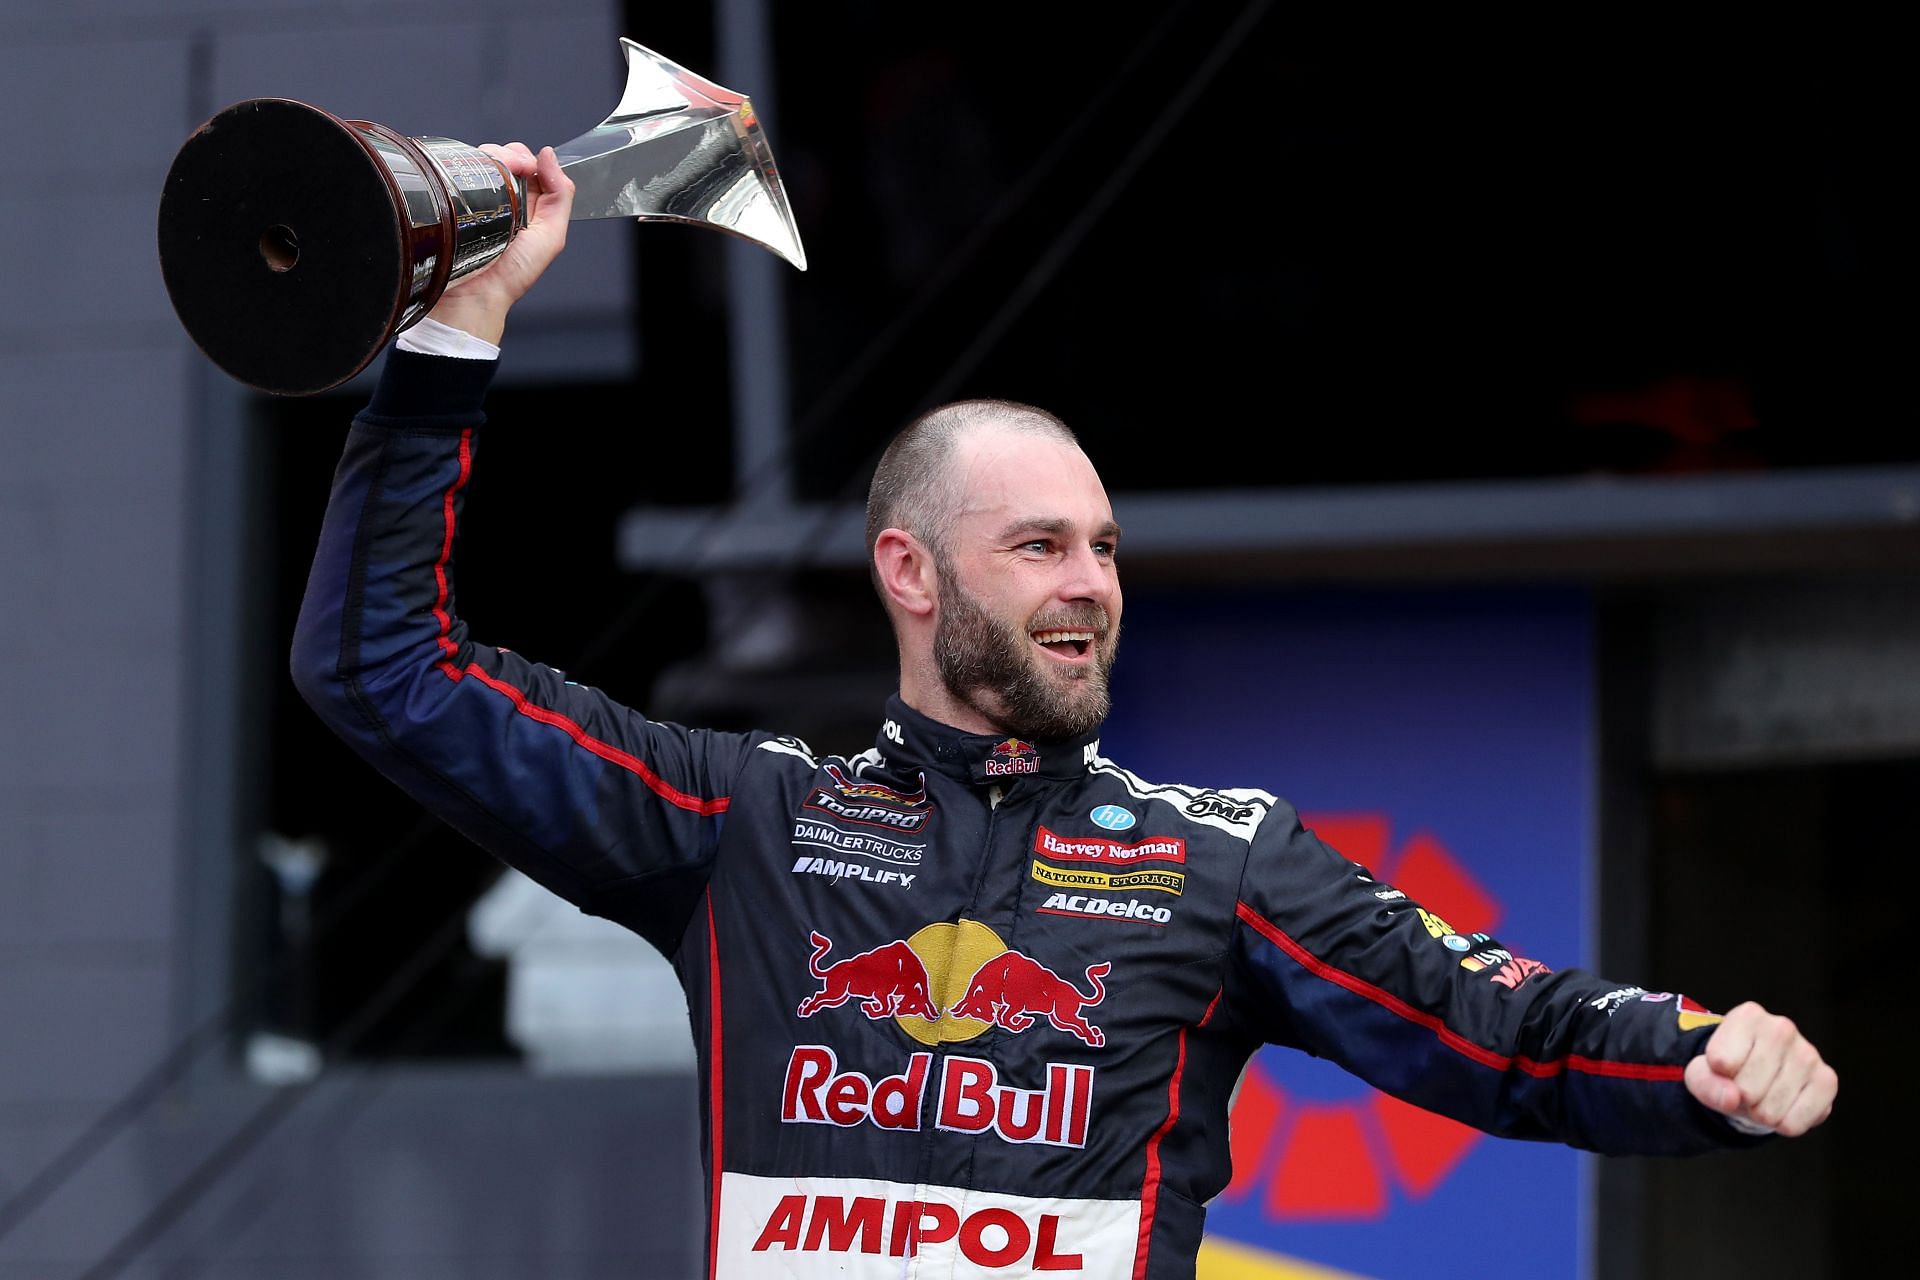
(991, 543)
(915, 486)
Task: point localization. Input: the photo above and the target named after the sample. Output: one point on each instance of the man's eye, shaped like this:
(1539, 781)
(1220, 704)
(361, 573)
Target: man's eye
(1038, 545)
(1107, 549)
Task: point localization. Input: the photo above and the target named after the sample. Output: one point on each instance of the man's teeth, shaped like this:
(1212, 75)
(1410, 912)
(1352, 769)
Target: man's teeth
(1058, 637)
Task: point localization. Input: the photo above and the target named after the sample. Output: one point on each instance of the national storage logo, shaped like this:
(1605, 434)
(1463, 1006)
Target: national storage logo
(1108, 881)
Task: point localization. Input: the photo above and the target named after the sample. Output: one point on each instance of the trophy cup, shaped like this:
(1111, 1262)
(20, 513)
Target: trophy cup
(295, 244)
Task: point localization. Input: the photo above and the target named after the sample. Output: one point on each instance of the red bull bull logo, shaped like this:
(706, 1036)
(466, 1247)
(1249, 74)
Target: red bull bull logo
(953, 982)
(888, 982)
(1013, 990)
(1012, 757)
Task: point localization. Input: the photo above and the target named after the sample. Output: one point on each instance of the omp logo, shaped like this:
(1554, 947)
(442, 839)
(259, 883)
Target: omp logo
(1218, 806)
(1306, 1159)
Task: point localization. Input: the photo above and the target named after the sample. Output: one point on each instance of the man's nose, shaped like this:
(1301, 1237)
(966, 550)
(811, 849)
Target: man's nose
(1086, 576)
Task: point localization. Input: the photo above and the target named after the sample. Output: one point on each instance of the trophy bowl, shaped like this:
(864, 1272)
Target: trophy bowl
(295, 244)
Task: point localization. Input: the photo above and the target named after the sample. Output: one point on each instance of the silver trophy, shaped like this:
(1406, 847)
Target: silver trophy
(295, 243)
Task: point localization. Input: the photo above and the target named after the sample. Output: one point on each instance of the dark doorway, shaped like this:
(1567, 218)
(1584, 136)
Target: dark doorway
(1783, 885)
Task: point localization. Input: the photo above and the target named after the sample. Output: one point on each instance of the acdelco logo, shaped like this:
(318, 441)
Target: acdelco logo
(992, 1237)
(1088, 907)
(971, 1098)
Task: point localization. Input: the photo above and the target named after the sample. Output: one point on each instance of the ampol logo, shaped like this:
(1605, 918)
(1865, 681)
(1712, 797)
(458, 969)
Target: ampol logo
(1309, 1160)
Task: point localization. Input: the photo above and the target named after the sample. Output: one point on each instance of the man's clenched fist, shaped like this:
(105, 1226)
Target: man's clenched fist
(1758, 1068)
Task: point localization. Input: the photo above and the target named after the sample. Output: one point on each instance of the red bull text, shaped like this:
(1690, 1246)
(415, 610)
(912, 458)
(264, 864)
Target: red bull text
(1012, 757)
(970, 1098)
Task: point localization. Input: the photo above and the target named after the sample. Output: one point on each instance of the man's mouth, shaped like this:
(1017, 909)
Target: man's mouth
(1071, 645)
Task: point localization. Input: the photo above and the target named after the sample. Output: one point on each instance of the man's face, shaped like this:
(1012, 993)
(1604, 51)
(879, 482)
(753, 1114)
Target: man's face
(1029, 614)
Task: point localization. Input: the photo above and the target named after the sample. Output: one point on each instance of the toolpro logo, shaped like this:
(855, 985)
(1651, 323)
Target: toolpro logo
(1010, 757)
(871, 804)
(946, 984)
(1301, 1159)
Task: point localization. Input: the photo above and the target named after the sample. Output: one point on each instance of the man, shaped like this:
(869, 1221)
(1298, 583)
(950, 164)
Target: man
(972, 1001)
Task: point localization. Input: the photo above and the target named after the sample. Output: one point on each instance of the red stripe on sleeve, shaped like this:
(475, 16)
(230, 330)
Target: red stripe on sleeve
(716, 1099)
(606, 751)
(1447, 1035)
(1150, 1187)
(446, 551)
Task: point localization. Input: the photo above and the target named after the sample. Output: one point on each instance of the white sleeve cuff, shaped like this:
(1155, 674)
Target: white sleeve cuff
(429, 337)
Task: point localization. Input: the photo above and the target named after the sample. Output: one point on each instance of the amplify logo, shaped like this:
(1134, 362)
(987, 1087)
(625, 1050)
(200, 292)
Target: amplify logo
(1012, 757)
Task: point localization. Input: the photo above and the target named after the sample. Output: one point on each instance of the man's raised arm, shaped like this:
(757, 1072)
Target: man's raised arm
(613, 812)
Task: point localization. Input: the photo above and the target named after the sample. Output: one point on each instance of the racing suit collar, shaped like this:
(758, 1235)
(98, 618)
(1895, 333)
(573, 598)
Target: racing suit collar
(910, 740)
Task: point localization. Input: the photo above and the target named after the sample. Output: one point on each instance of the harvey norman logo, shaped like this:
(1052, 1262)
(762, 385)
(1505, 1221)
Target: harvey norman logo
(1108, 881)
(1095, 849)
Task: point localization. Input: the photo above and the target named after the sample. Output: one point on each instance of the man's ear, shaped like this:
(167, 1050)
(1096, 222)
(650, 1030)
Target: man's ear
(904, 565)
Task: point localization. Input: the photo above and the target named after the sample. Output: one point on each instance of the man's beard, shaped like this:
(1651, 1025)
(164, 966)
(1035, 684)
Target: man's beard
(977, 654)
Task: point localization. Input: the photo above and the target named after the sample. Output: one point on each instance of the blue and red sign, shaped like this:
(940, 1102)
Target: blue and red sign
(1446, 742)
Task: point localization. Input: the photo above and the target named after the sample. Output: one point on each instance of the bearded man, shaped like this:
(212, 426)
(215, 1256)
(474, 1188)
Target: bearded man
(971, 1002)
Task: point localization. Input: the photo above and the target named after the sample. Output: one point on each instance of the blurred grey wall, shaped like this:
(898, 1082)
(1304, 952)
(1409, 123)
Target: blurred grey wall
(121, 558)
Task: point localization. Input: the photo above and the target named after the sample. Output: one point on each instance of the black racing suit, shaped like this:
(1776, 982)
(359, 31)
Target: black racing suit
(963, 1005)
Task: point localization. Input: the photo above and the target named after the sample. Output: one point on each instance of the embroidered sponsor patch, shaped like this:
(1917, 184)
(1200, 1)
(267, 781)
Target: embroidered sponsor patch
(1094, 849)
(834, 869)
(1691, 1013)
(822, 835)
(1108, 881)
(1095, 908)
